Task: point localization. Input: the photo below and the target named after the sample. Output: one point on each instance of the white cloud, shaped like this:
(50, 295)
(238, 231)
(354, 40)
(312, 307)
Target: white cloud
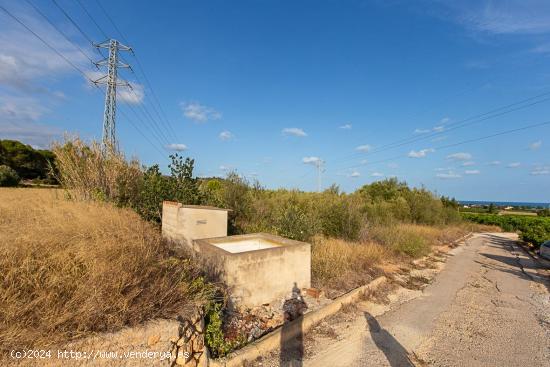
(448, 175)
(25, 60)
(363, 148)
(439, 128)
(444, 120)
(514, 165)
(443, 169)
(226, 135)
(198, 112)
(131, 96)
(377, 174)
(503, 17)
(468, 164)
(294, 131)
(364, 161)
(37, 135)
(421, 131)
(542, 49)
(472, 172)
(354, 174)
(495, 163)
(18, 121)
(535, 145)
(177, 147)
(439, 138)
(224, 168)
(393, 165)
(346, 127)
(421, 153)
(460, 156)
(541, 170)
(311, 160)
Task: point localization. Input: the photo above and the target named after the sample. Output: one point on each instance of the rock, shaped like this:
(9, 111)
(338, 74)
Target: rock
(174, 339)
(180, 361)
(180, 342)
(153, 339)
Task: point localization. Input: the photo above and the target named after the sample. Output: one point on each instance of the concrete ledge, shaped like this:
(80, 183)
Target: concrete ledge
(303, 324)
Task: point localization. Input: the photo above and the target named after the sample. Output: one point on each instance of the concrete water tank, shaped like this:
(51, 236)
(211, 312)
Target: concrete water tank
(181, 224)
(258, 268)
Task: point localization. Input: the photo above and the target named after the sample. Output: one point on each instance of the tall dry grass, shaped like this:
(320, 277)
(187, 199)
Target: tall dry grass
(69, 269)
(338, 266)
(89, 172)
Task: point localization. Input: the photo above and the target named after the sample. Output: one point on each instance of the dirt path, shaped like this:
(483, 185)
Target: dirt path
(488, 307)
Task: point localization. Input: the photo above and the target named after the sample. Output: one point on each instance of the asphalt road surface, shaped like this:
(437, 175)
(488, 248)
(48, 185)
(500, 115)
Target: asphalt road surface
(489, 306)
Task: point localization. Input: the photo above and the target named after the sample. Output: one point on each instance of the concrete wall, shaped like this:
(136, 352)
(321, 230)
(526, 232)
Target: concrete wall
(182, 224)
(261, 276)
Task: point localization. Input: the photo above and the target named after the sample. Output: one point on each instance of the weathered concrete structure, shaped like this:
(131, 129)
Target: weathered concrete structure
(185, 223)
(258, 268)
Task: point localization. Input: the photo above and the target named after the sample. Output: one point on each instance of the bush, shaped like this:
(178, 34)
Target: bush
(90, 173)
(411, 240)
(8, 177)
(535, 230)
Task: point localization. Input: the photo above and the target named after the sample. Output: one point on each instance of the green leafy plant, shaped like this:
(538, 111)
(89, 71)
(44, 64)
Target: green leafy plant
(214, 337)
(8, 176)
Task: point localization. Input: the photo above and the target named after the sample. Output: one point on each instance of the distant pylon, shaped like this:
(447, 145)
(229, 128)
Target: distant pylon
(111, 80)
(320, 164)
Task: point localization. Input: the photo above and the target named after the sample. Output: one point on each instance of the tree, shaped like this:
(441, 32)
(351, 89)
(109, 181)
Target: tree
(26, 161)
(8, 176)
(185, 188)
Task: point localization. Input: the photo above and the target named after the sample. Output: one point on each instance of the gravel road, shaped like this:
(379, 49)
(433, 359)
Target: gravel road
(489, 306)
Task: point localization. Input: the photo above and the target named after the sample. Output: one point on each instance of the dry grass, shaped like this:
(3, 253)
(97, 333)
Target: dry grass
(74, 268)
(88, 172)
(338, 266)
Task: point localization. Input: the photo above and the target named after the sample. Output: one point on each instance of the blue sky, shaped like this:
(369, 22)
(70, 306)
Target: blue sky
(267, 88)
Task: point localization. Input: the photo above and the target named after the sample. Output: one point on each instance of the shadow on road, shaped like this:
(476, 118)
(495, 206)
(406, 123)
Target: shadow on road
(514, 266)
(395, 353)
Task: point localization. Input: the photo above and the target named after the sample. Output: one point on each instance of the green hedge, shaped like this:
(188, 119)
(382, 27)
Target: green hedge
(535, 230)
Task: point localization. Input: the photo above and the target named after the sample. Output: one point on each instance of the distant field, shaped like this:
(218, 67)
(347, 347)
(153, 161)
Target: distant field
(516, 212)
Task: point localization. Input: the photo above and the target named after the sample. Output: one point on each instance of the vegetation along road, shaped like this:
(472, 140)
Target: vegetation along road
(487, 307)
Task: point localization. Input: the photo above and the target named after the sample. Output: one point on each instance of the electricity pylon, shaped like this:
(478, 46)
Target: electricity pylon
(109, 115)
(320, 165)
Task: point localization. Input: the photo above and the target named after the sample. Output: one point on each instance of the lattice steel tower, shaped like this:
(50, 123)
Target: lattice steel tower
(111, 80)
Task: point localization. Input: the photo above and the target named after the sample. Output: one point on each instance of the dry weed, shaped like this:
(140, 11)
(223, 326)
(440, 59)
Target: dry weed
(69, 269)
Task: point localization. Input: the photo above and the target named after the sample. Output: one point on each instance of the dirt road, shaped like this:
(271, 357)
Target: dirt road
(489, 306)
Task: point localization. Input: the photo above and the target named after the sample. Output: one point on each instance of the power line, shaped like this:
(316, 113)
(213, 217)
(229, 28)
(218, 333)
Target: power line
(59, 30)
(45, 42)
(72, 22)
(164, 119)
(110, 101)
(459, 143)
(93, 20)
(15, 18)
(141, 133)
(458, 124)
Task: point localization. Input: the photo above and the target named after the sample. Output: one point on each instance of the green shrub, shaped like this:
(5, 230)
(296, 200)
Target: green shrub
(532, 229)
(214, 336)
(293, 218)
(8, 177)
